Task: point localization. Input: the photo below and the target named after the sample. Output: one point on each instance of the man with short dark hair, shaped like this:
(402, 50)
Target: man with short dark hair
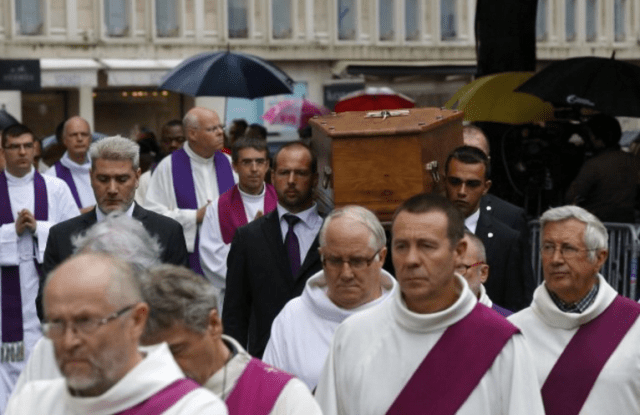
(584, 334)
(244, 202)
(467, 180)
(30, 204)
(431, 348)
(272, 257)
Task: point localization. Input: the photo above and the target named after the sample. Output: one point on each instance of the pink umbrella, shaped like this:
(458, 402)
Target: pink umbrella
(295, 112)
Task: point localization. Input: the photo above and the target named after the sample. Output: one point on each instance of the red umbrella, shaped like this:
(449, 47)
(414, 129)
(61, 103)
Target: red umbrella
(295, 112)
(371, 98)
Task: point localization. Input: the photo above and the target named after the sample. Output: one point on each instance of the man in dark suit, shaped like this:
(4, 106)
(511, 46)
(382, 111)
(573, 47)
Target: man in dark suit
(272, 257)
(114, 178)
(467, 181)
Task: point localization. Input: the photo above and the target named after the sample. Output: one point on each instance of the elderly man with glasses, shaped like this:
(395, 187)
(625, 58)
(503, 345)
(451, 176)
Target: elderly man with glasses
(585, 336)
(95, 316)
(352, 249)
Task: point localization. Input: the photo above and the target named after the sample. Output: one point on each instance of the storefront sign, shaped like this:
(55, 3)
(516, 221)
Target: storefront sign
(20, 75)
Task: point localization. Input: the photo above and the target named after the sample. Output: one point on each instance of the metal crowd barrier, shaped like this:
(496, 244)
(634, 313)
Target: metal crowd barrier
(621, 268)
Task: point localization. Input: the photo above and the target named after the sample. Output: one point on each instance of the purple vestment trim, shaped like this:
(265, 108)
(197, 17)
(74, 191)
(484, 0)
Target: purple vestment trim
(185, 189)
(231, 213)
(12, 325)
(455, 365)
(500, 310)
(64, 173)
(578, 367)
(257, 389)
(164, 399)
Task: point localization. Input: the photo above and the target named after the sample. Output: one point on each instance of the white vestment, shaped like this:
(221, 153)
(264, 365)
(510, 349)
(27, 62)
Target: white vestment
(295, 398)
(548, 331)
(154, 373)
(484, 298)
(143, 185)
(374, 354)
(22, 250)
(81, 174)
(161, 196)
(213, 250)
(301, 333)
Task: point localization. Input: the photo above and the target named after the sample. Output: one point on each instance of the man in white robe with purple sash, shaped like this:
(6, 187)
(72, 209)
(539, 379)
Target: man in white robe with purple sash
(184, 184)
(585, 335)
(29, 205)
(244, 202)
(75, 167)
(183, 314)
(432, 348)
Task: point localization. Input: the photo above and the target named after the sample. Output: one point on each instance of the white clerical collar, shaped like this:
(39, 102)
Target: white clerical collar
(70, 164)
(484, 297)
(100, 216)
(14, 180)
(249, 196)
(305, 216)
(193, 156)
(472, 221)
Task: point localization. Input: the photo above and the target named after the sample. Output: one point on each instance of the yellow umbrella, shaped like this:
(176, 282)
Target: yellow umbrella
(491, 98)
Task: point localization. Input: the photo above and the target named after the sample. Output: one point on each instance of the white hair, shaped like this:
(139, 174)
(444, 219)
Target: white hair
(116, 148)
(377, 240)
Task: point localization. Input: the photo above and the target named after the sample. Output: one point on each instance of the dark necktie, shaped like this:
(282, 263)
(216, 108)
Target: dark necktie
(291, 243)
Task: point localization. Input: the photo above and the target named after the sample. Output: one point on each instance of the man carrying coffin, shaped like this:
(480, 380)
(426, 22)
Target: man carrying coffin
(431, 349)
(584, 334)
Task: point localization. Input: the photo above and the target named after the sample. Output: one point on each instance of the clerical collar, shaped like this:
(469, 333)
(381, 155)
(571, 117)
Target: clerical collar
(578, 307)
(19, 180)
(67, 162)
(472, 221)
(100, 215)
(250, 196)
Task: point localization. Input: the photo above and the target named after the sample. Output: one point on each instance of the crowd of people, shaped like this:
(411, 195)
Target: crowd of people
(211, 284)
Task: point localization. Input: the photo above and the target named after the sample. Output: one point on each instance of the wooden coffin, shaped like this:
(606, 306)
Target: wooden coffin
(379, 159)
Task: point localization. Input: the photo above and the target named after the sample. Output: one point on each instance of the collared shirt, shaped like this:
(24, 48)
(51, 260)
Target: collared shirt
(100, 215)
(579, 306)
(472, 221)
(306, 230)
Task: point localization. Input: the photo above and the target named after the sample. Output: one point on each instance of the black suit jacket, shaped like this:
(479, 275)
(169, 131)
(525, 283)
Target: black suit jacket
(508, 283)
(259, 281)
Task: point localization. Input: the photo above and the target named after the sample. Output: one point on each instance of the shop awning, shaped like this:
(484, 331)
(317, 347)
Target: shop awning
(74, 73)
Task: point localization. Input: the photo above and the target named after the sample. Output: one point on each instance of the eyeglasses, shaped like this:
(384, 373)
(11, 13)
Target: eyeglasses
(356, 263)
(567, 251)
(16, 147)
(83, 325)
(463, 268)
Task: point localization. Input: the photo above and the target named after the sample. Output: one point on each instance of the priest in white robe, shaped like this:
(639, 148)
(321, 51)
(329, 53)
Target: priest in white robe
(184, 184)
(244, 202)
(183, 314)
(74, 167)
(353, 250)
(23, 238)
(104, 371)
(431, 348)
(586, 336)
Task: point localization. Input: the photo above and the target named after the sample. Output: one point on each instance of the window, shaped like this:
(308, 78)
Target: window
(386, 22)
(116, 17)
(167, 18)
(29, 19)
(570, 20)
(591, 12)
(238, 19)
(281, 12)
(346, 19)
(541, 21)
(411, 20)
(619, 27)
(448, 27)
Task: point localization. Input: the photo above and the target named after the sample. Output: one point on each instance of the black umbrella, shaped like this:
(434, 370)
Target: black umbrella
(226, 74)
(602, 84)
(6, 119)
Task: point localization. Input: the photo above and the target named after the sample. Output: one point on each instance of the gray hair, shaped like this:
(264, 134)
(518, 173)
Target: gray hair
(190, 120)
(378, 239)
(116, 148)
(477, 242)
(177, 295)
(596, 236)
(123, 237)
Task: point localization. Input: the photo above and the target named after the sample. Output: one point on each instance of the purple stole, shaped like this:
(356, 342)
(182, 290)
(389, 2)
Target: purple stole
(185, 189)
(12, 326)
(64, 173)
(576, 370)
(163, 400)
(500, 310)
(257, 389)
(455, 365)
(231, 213)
